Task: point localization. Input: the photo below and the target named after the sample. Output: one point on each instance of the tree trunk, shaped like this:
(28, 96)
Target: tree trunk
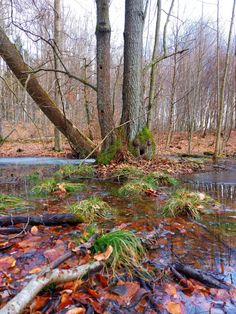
(223, 83)
(104, 106)
(81, 143)
(133, 110)
(153, 66)
(57, 53)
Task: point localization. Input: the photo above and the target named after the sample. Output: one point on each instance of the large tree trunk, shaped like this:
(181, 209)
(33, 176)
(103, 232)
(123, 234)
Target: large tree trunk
(81, 143)
(103, 34)
(57, 53)
(133, 110)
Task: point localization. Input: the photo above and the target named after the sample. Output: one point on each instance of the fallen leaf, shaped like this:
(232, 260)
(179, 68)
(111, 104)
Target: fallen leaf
(170, 289)
(173, 307)
(76, 310)
(104, 256)
(7, 262)
(35, 270)
(34, 230)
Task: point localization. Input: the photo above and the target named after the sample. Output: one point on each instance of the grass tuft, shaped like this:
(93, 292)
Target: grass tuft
(164, 179)
(51, 185)
(127, 249)
(91, 209)
(137, 186)
(185, 203)
(128, 172)
(83, 171)
(11, 202)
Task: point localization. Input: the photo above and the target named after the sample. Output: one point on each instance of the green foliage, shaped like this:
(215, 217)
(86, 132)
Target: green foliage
(185, 203)
(129, 172)
(49, 289)
(163, 179)
(137, 186)
(52, 185)
(127, 249)
(87, 171)
(34, 177)
(11, 202)
(104, 158)
(91, 209)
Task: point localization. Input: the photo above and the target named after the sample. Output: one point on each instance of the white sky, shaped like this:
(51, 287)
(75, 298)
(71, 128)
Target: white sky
(188, 10)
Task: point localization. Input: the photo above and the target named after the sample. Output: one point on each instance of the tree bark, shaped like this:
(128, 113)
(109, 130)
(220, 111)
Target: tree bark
(104, 106)
(47, 219)
(133, 110)
(80, 142)
(57, 52)
(223, 83)
(153, 66)
(27, 294)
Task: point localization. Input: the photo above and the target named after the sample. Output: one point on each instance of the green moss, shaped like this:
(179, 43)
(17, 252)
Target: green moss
(104, 158)
(143, 141)
(185, 203)
(127, 249)
(11, 202)
(91, 209)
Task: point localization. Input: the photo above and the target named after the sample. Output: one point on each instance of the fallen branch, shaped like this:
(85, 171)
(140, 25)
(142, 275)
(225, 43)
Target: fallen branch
(199, 275)
(47, 219)
(27, 294)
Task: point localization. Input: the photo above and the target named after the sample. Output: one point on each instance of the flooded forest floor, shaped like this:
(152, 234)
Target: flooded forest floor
(206, 243)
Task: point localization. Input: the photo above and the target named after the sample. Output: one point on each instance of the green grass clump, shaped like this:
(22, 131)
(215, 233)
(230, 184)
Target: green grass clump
(11, 202)
(34, 177)
(127, 249)
(137, 186)
(185, 203)
(129, 172)
(52, 185)
(87, 171)
(164, 179)
(91, 209)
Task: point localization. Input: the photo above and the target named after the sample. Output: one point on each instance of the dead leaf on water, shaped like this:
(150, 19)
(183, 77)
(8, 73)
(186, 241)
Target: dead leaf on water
(104, 256)
(7, 262)
(173, 307)
(76, 310)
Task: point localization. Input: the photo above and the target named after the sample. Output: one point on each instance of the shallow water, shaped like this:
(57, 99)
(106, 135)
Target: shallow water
(212, 247)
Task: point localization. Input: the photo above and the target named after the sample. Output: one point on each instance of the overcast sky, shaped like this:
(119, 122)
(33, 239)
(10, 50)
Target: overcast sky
(188, 10)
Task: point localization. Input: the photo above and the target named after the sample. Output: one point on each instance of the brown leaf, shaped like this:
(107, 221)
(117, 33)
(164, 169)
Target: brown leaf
(7, 262)
(173, 307)
(76, 310)
(104, 256)
(170, 289)
(34, 230)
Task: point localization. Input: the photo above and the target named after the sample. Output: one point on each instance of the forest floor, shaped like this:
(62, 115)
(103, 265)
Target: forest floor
(23, 141)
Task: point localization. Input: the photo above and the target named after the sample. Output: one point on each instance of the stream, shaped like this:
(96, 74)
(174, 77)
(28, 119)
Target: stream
(213, 250)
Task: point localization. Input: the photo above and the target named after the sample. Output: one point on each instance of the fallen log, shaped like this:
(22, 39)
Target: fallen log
(47, 220)
(199, 275)
(13, 230)
(43, 279)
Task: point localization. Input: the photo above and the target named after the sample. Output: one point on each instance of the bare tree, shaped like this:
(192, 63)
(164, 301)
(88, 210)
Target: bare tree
(104, 106)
